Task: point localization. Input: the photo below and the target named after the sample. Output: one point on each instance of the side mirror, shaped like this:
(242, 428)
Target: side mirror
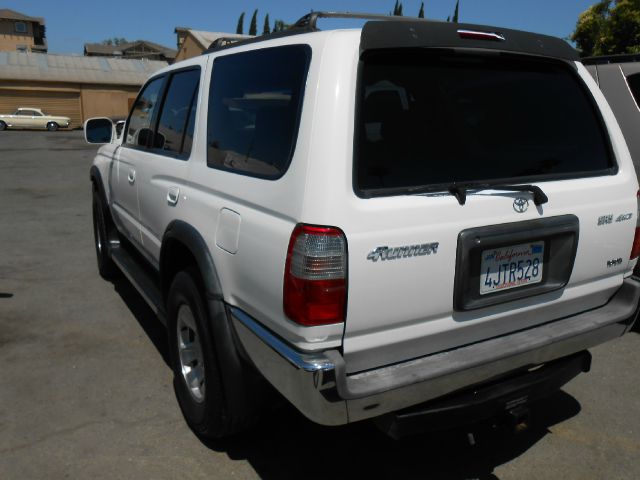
(98, 130)
(119, 127)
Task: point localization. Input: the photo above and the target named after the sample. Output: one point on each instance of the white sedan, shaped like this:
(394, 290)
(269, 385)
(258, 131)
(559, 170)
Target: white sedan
(33, 118)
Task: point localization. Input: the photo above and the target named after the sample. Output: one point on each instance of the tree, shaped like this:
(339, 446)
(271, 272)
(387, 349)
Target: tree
(253, 26)
(421, 13)
(397, 9)
(266, 29)
(115, 41)
(279, 26)
(455, 13)
(609, 27)
(240, 27)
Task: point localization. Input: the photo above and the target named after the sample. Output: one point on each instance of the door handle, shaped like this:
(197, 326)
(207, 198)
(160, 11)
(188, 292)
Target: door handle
(173, 194)
(131, 177)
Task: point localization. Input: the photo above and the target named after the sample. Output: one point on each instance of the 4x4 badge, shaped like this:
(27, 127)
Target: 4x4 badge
(520, 205)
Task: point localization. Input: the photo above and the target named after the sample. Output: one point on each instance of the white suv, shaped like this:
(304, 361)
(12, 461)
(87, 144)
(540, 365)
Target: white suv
(377, 221)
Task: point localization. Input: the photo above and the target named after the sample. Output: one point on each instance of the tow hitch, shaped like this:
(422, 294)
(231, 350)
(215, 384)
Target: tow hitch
(507, 398)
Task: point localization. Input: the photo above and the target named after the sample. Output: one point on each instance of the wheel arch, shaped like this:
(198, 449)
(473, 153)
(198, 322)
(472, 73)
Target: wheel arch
(96, 179)
(183, 245)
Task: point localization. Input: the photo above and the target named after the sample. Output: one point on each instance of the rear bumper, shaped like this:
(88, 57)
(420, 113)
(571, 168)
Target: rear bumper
(317, 383)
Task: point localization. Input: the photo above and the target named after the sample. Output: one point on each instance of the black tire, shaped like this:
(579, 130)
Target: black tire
(52, 126)
(205, 405)
(106, 267)
(3, 126)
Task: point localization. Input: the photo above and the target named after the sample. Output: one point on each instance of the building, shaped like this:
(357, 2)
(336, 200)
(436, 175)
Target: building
(21, 33)
(192, 43)
(73, 86)
(134, 50)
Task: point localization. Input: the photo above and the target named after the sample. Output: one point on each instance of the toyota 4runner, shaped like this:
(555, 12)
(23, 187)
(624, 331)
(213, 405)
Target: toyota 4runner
(388, 221)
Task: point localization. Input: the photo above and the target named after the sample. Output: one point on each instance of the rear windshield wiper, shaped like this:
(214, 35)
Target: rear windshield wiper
(459, 190)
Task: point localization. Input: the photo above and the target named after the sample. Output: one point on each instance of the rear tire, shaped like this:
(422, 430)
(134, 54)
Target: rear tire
(106, 267)
(52, 126)
(198, 372)
(3, 126)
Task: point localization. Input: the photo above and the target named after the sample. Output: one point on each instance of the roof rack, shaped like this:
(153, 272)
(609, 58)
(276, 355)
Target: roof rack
(224, 41)
(604, 59)
(310, 20)
(308, 23)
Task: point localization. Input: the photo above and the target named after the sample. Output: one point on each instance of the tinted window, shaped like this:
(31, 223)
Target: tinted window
(176, 112)
(634, 85)
(254, 110)
(429, 119)
(139, 130)
(26, 113)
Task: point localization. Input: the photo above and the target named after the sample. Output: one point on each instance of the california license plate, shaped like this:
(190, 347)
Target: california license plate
(511, 267)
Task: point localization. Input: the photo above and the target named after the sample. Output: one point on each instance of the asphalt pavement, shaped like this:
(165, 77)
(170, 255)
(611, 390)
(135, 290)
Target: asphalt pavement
(85, 389)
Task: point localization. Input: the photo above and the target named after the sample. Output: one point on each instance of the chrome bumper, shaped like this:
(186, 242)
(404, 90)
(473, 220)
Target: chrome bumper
(316, 383)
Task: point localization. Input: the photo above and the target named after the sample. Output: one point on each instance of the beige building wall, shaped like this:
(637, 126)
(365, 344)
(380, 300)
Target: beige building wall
(189, 49)
(107, 102)
(10, 39)
(78, 102)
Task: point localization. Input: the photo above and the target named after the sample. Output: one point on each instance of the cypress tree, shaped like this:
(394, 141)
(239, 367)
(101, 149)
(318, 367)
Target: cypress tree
(455, 14)
(421, 13)
(240, 27)
(395, 9)
(400, 9)
(253, 26)
(266, 30)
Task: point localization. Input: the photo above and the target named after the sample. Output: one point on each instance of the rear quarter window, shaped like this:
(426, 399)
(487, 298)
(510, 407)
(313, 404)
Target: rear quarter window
(255, 103)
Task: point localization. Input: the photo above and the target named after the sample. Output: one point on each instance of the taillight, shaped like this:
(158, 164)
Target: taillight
(315, 276)
(635, 250)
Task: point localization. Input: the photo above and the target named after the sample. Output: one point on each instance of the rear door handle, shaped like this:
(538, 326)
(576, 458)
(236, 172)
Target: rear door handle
(173, 194)
(132, 177)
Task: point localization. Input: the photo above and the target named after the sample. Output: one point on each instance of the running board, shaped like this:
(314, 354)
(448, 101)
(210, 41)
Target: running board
(143, 282)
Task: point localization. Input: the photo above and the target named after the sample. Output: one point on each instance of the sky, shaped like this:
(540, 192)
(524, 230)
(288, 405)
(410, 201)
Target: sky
(72, 23)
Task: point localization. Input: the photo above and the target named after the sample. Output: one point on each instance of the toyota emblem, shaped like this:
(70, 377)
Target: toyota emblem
(520, 205)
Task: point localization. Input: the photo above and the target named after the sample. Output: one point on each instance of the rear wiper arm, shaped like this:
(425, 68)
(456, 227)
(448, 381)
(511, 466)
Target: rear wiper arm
(459, 190)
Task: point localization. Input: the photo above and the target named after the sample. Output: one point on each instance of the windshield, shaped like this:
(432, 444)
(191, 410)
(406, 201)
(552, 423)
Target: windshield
(434, 117)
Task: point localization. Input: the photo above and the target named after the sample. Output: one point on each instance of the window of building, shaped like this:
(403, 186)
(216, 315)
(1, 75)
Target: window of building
(139, 128)
(254, 110)
(21, 27)
(175, 128)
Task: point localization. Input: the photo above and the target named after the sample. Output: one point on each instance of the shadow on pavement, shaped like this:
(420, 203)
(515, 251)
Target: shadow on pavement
(287, 445)
(6, 295)
(145, 317)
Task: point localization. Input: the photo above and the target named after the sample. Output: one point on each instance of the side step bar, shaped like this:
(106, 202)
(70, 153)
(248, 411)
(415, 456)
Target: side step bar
(142, 280)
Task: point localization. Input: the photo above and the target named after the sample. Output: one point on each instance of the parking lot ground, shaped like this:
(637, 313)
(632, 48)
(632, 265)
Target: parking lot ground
(85, 390)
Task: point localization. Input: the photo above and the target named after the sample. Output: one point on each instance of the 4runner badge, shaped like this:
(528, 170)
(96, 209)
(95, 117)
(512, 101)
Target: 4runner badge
(395, 253)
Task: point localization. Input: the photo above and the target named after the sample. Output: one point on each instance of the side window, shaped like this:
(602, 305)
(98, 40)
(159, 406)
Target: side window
(139, 130)
(254, 110)
(175, 128)
(634, 85)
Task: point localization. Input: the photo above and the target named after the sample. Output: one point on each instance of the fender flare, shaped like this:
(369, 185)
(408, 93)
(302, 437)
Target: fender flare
(96, 178)
(187, 235)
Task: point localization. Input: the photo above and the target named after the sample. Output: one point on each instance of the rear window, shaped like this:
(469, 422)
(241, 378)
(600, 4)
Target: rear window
(430, 118)
(634, 86)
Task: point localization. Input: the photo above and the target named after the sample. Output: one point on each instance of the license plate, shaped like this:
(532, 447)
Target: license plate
(511, 267)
